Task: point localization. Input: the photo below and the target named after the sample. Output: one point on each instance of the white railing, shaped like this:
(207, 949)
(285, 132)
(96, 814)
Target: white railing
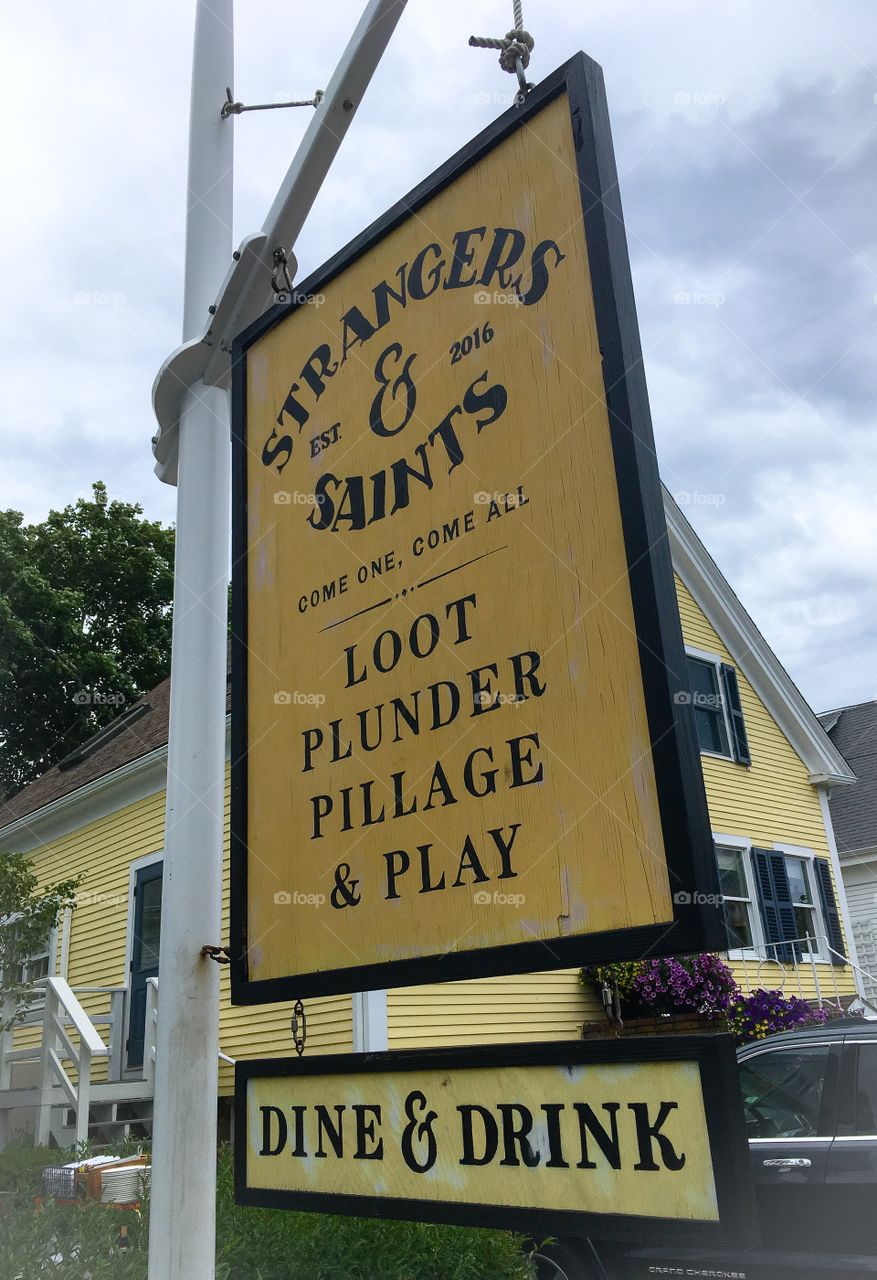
(70, 1040)
(150, 1030)
(809, 952)
(54, 1004)
(63, 1010)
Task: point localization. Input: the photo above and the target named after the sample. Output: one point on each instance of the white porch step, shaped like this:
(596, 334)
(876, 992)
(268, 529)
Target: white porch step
(114, 1091)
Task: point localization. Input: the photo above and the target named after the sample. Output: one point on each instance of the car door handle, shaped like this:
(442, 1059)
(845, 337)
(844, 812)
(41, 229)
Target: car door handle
(797, 1162)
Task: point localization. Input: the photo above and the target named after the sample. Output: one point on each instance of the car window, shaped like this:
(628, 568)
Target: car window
(782, 1091)
(866, 1091)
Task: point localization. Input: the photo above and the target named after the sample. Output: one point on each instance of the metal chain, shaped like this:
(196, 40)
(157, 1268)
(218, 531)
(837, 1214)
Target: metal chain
(514, 50)
(298, 1025)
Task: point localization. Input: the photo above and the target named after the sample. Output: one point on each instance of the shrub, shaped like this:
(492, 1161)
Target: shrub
(21, 1173)
(703, 984)
(68, 1242)
(763, 1013)
(676, 984)
(272, 1244)
(696, 984)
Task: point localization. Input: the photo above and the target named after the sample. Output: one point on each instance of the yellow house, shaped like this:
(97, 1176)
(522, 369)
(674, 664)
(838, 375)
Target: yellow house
(86, 1050)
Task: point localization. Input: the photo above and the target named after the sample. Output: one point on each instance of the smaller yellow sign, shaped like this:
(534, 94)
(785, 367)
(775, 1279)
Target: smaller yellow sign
(565, 1134)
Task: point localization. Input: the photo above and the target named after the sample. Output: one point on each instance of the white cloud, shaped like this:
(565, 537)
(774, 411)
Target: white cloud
(723, 119)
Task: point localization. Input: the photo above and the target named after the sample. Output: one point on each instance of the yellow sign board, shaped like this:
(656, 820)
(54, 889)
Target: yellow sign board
(459, 742)
(620, 1133)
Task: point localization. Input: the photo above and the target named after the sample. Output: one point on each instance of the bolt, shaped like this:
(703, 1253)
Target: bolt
(347, 104)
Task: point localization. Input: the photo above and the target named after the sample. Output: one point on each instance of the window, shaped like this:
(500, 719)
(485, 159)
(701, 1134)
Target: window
(801, 892)
(782, 1092)
(866, 1091)
(796, 900)
(718, 713)
(709, 715)
(35, 967)
(737, 897)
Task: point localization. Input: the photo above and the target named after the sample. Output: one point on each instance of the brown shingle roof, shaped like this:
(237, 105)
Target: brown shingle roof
(147, 731)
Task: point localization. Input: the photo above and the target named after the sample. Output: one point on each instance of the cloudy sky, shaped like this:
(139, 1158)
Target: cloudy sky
(746, 144)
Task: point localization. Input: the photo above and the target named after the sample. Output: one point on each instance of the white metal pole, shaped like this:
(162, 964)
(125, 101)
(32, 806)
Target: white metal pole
(182, 1236)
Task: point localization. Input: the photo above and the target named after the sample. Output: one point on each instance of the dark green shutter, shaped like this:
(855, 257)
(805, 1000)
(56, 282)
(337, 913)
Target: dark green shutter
(830, 913)
(775, 902)
(739, 741)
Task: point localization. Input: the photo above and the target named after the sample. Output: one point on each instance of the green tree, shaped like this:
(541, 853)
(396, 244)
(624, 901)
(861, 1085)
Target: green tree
(28, 914)
(85, 626)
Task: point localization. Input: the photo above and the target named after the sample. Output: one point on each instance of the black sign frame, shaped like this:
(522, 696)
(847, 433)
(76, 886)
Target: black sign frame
(697, 923)
(716, 1059)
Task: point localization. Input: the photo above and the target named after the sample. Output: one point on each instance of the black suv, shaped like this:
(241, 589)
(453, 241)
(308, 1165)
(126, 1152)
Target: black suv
(810, 1100)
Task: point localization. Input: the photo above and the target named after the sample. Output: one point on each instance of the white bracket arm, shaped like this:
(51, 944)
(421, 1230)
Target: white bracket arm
(246, 291)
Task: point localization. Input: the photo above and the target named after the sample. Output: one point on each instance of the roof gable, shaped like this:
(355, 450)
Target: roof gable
(751, 652)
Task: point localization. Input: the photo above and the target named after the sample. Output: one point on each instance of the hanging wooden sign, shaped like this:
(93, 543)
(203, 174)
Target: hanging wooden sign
(461, 738)
(631, 1139)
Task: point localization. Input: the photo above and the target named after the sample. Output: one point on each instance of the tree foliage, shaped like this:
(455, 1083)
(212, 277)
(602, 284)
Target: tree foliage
(85, 626)
(28, 914)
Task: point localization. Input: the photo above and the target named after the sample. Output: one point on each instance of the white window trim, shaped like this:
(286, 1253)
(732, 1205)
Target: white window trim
(716, 660)
(744, 845)
(809, 856)
(139, 864)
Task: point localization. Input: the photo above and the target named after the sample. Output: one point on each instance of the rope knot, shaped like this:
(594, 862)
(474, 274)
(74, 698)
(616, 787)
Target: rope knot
(517, 44)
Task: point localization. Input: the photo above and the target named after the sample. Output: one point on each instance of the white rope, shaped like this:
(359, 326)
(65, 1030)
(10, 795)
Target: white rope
(514, 48)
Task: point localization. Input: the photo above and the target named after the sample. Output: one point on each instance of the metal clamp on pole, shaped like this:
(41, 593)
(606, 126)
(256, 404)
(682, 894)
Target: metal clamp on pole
(281, 279)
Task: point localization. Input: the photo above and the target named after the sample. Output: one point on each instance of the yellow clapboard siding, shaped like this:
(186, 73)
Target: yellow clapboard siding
(770, 802)
(773, 801)
(102, 852)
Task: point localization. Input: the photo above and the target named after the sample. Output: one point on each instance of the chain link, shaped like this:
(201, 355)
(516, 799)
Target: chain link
(298, 1025)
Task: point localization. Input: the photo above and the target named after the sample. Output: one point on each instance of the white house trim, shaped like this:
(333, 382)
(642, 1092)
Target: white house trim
(94, 800)
(839, 887)
(751, 652)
